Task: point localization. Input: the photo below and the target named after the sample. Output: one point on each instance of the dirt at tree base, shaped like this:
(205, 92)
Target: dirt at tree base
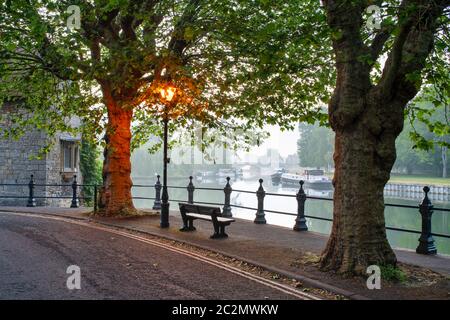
(418, 283)
(129, 214)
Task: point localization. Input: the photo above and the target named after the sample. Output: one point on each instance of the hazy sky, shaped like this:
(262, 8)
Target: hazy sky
(285, 142)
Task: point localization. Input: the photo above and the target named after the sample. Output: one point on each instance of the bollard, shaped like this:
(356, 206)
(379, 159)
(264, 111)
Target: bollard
(260, 216)
(226, 207)
(426, 241)
(31, 200)
(95, 198)
(157, 202)
(300, 221)
(75, 203)
(190, 189)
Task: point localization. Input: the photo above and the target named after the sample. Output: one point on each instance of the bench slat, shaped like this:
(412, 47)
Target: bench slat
(206, 217)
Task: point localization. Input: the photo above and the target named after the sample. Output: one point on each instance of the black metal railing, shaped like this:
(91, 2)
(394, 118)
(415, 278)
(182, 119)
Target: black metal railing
(75, 194)
(426, 209)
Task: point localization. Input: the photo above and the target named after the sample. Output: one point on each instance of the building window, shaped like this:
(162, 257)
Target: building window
(69, 156)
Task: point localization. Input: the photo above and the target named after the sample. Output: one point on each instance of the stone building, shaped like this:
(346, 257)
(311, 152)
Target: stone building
(57, 167)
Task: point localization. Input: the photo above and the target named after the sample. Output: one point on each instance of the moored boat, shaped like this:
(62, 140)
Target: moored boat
(314, 179)
(276, 176)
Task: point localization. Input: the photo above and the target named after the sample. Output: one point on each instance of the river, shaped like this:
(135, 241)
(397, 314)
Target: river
(395, 217)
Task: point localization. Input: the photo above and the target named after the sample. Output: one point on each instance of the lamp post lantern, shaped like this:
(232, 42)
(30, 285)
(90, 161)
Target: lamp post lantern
(167, 94)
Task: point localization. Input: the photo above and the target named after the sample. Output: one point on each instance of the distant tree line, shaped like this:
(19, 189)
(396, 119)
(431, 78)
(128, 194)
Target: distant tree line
(315, 148)
(431, 158)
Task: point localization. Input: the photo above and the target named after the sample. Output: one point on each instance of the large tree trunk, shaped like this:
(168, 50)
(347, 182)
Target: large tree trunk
(358, 237)
(367, 118)
(116, 198)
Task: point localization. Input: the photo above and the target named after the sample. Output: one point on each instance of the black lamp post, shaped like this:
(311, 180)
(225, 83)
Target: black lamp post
(167, 94)
(165, 195)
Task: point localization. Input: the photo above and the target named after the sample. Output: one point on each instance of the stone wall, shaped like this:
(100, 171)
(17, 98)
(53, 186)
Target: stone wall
(17, 165)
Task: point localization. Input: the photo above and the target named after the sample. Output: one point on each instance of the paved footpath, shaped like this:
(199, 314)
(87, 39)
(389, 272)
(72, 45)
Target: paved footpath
(272, 247)
(36, 253)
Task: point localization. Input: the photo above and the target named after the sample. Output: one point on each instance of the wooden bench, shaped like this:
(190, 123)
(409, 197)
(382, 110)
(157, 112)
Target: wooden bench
(190, 212)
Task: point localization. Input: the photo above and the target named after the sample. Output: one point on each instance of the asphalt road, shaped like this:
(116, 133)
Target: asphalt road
(35, 254)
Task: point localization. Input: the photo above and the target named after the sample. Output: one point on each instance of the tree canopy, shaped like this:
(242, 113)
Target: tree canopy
(271, 67)
(274, 66)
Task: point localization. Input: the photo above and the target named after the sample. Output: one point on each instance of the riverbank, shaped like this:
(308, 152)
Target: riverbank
(411, 187)
(426, 180)
(414, 179)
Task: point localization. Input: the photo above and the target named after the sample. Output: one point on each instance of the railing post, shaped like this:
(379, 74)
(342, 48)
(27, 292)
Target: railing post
(300, 221)
(190, 189)
(157, 202)
(426, 241)
(226, 207)
(31, 200)
(95, 198)
(75, 203)
(260, 216)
